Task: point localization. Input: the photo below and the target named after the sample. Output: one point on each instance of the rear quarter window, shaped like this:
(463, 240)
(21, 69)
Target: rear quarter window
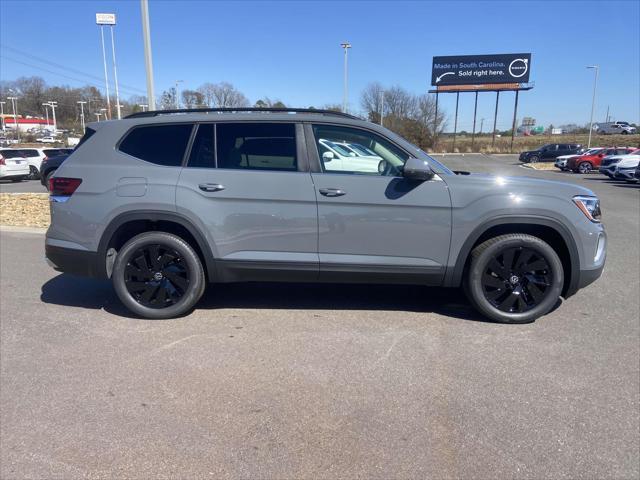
(160, 144)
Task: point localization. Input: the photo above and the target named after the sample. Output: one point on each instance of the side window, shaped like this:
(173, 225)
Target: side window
(256, 146)
(159, 144)
(355, 151)
(202, 151)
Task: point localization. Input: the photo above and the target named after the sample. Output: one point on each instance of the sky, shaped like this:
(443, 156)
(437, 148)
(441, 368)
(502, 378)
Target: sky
(291, 50)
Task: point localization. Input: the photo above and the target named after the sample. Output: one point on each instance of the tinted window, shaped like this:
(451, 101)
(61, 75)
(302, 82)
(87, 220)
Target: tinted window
(256, 146)
(159, 144)
(202, 152)
(11, 153)
(30, 153)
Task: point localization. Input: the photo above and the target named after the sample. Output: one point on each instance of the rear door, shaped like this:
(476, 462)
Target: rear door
(550, 152)
(248, 186)
(375, 225)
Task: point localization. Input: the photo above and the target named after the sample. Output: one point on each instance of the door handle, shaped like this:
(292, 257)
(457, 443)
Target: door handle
(332, 192)
(210, 187)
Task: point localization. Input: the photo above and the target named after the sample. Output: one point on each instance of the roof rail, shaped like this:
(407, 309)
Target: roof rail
(154, 113)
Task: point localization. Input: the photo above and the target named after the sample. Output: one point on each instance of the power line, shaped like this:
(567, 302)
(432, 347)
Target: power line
(64, 67)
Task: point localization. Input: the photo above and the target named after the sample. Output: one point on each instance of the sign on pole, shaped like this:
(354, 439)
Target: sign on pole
(481, 69)
(105, 18)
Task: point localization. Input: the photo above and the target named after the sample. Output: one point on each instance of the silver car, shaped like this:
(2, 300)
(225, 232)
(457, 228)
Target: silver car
(164, 202)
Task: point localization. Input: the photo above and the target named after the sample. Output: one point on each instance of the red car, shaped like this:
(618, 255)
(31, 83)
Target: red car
(586, 163)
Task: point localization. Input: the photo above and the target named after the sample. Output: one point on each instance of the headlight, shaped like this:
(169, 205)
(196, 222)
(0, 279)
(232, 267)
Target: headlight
(590, 206)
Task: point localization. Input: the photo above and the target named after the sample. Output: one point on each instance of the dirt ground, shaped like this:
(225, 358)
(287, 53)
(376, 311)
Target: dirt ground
(24, 209)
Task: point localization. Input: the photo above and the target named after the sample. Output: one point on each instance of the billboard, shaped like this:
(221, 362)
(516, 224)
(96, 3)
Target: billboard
(481, 69)
(105, 18)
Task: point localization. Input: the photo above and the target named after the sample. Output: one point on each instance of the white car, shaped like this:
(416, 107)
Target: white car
(34, 158)
(626, 168)
(561, 161)
(13, 166)
(348, 157)
(47, 140)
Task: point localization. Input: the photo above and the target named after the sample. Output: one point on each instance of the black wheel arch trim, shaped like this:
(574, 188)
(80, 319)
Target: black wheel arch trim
(155, 216)
(453, 276)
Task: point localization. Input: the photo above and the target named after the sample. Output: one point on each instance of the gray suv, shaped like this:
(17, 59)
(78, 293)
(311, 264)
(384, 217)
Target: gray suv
(164, 202)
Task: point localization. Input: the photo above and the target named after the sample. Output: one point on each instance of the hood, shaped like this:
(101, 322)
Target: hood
(629, 161)
(530, 185)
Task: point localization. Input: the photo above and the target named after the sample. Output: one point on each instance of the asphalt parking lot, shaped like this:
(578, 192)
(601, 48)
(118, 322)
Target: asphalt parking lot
(328, 381)
(26, 186)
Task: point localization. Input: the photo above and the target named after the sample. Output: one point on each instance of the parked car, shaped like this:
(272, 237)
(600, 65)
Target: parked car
(561, 161)
(47, 139)
(548, 153)
(587, 163)
(33, 156)
(613, 128)
(637, 174)
(626, 169)
(13, 166)
(608, 164)
(342, 156)
(162, 203)
(49, 167)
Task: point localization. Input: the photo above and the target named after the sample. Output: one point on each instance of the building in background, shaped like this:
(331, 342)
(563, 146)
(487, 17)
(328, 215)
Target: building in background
(26, 125)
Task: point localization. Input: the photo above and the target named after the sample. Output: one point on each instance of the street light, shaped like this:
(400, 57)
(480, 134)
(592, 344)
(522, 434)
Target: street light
(143, 106)
(345, 98)
(103, 19)
(593, 100)
(97, 114)
(178, 101)
(2, 114)
(148, 61)
(46, 114)
(53, 106)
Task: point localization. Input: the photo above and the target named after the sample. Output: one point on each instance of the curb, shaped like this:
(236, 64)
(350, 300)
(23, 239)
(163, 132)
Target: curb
(14, 229)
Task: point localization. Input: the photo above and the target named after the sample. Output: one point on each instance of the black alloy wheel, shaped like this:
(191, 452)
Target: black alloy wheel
(534, 159)
(516, 280)
(156, 276)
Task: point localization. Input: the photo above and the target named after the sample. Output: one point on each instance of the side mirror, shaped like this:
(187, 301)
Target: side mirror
(327, 156)
(416, 169)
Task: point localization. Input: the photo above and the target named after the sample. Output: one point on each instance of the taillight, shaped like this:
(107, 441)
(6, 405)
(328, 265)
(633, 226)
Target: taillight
(2, 160)
(63, 187)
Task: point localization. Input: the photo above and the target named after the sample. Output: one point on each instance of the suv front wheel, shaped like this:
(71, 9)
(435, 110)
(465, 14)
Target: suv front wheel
(514, 278)
(158, 275)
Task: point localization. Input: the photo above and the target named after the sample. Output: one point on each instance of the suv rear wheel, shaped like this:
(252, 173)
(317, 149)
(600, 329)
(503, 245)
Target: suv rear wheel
(514, 278)
(158, 275)
(585, 167)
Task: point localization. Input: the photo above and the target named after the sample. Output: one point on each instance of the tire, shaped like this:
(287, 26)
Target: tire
(33, 173)
(534, 159)
(515, 293)
(584, 168)
(158, 289)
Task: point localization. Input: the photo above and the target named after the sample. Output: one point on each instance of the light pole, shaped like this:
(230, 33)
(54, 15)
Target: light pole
(345, 99)
(2, 114)
(53, 106)
(115, 69)
(381, 107)
(148, 61)
(143, 106)
(178, 101)
(14, 100)
(81, 103)
(104, 62)
(97, 114)
(593, 100)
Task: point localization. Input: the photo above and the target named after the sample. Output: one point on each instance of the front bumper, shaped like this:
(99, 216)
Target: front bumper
(625, 174)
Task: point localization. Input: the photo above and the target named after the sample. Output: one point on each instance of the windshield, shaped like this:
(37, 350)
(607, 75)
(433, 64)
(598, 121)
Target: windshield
(592, 151)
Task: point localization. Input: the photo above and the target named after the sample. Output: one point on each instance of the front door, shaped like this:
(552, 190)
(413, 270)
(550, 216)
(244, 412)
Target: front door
(245, 184)
(375, 225)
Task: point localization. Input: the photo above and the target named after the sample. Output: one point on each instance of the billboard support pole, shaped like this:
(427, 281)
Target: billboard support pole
(455, 124)
(475, 111)
(435, 124)
(495, 118)
(513, 124)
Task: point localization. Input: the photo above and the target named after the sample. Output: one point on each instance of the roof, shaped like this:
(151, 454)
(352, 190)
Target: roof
(241, 110)
(28, 121)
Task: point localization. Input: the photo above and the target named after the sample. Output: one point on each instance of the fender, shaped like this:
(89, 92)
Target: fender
(453, 276)
(154, 215)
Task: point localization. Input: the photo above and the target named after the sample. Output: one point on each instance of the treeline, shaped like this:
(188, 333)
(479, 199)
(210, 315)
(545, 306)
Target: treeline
(411, 116)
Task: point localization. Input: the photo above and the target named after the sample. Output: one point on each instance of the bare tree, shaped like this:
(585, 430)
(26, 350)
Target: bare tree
(206, 90)
(225, 96)
(371, 101)
(192, 98)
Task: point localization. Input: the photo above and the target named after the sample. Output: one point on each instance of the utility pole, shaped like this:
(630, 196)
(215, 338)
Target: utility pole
(46, 113)
(81, 103)
(481, 124)
(14, 100)
(97, 114)
(53, 106)
(106, 75)
(146, 33)
(2, 114)
(607, 113)
(345, 98)
(593, 100)
(381, 107)
(177, 98)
